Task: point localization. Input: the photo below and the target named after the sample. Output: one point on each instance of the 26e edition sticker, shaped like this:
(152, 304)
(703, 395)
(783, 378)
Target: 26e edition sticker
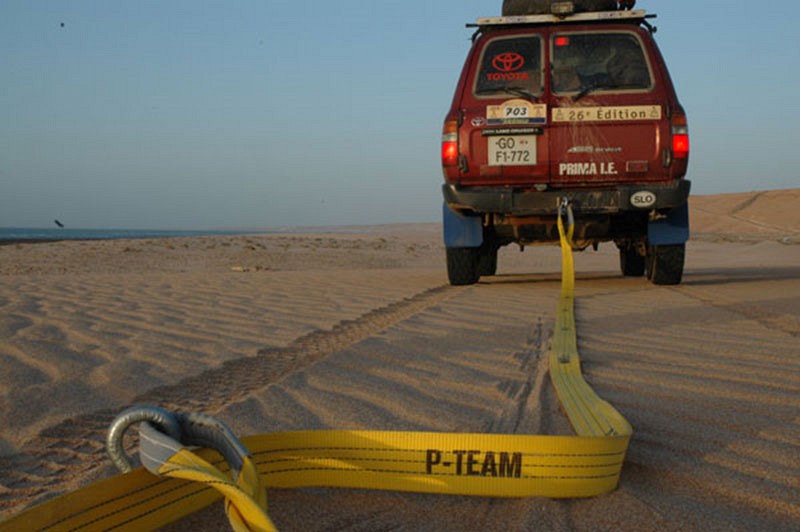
(607, 114)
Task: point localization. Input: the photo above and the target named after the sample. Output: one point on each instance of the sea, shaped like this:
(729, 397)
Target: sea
(66, 233)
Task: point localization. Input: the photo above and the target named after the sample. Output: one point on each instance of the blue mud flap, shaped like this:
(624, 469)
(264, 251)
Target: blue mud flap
(461, 231)
(674, 229)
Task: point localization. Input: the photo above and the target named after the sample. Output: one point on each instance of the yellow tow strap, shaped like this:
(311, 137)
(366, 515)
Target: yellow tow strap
(494, 465)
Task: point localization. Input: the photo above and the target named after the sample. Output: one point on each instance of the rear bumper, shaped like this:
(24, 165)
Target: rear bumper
(516, 202)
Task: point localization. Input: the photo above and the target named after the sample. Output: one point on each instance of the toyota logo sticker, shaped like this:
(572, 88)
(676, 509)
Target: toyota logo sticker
(507, 66)
(508, 62)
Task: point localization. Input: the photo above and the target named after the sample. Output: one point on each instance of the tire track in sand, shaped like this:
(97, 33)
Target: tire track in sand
(72, 453)
(775, 321)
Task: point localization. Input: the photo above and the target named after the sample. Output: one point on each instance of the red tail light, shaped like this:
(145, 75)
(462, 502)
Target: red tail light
(450, 143)
(680, 137)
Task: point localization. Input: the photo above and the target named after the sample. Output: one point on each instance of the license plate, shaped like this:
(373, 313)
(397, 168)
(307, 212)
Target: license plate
(512, 150)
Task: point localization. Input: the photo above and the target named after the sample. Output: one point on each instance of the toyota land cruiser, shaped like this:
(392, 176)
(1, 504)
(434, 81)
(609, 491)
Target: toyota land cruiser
(570, 104)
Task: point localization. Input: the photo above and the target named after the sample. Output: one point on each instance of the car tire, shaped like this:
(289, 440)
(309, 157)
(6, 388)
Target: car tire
(463, 266)
(631, 262)
(542, 7)
(664, 264)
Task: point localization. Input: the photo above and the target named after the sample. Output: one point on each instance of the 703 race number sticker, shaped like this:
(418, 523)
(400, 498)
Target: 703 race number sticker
(517, 111)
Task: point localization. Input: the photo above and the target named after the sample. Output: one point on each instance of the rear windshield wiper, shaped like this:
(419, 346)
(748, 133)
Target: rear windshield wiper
(516, 91)
(604, 85)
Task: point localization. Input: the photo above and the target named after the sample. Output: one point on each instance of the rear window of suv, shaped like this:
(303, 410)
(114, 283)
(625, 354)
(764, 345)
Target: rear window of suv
(511, 64)
(598, 62)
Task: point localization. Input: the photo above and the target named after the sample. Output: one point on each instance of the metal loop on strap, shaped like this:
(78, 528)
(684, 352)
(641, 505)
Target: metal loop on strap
(164, 432)
(565, 209)
(202, 430)
(163, 419)
(164, 441)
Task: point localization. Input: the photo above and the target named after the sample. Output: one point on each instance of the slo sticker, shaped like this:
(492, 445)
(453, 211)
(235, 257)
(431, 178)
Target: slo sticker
(607, 114)
(517, 111)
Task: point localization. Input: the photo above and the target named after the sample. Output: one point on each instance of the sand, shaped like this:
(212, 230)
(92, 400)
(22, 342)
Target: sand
(358, 328)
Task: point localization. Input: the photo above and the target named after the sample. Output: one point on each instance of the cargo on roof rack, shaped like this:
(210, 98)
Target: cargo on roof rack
(598, 16)
(562, 7)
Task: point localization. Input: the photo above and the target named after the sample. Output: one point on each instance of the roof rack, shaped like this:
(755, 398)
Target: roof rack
(596, 16)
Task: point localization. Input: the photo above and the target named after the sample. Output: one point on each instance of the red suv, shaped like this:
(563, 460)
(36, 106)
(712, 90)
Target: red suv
(568, 105)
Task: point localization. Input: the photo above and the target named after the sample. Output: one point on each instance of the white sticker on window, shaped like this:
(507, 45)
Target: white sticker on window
(607, 114)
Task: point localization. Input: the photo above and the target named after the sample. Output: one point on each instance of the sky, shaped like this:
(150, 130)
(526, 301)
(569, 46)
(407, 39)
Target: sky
(196, 114)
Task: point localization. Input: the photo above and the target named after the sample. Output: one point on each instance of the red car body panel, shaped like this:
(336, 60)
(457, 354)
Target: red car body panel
(571, 152)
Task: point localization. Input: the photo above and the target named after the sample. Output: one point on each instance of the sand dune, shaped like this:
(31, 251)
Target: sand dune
(750, 216)
(358, 329)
